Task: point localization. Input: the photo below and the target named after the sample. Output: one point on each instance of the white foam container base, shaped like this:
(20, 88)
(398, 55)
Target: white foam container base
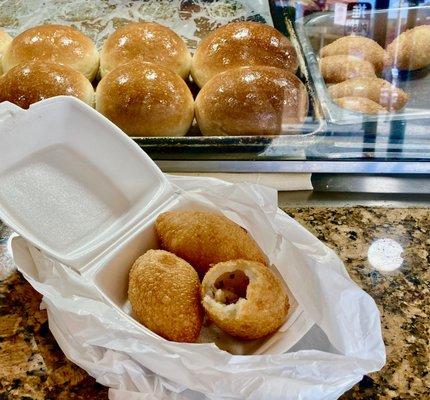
(110, 274)
(84, 193)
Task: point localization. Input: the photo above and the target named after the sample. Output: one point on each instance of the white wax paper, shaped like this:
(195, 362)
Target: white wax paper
(344, 344)
(192, 19)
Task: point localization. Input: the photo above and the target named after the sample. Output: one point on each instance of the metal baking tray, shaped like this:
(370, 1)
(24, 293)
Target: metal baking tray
(319, 29)
(192, 19)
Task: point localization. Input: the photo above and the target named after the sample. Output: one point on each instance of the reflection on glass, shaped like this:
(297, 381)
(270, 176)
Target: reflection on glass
(385, 255)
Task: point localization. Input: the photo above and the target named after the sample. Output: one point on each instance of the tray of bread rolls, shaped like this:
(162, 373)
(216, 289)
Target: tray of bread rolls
(170, 74)
(376, 70)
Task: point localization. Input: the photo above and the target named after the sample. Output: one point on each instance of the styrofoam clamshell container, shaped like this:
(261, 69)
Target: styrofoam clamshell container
(79, 189)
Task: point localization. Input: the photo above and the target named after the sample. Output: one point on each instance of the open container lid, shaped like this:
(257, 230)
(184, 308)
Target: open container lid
(71, 182)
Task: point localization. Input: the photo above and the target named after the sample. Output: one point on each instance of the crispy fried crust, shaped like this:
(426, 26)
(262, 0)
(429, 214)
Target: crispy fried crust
(263, 310)
(375, 89)
(335, 69)
(357, 46)
(411, 49)
(360, 104)
(205, 238)
(164, 292)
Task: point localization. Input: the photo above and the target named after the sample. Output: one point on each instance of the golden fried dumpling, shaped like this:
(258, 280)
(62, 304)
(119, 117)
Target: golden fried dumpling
(360, 104)
(205, 238)
(375, 89)
(357, 46)
(164, 292)
(244, 298)
(411, 49)
(335, 69)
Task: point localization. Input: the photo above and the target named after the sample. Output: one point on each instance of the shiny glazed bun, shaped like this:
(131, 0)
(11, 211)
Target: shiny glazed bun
(145, 99)
(164, 292)
(54, 43)
(145, 41)
(5, 40)
(241, 44)
(30, 82)
(251, 101)
(244, 299)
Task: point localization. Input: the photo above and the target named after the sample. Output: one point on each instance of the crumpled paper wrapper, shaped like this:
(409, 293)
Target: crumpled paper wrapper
(191, 19)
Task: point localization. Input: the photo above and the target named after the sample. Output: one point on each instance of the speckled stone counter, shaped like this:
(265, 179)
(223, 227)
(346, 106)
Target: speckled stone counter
(33, 367)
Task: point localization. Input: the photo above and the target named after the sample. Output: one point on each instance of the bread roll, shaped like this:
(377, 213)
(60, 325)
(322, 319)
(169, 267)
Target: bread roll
(357, 46)
(164, 292)
(30, 82)
(241, 44)
(376, 89)
(335, 69)
(5, 40)
(244, 299)
(251, 101)
(145, 99)
(54, 43)
(360, 104)
(411, 49)
(145, 41)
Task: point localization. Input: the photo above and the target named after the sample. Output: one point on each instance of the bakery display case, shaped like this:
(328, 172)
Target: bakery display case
(410, 103)
(186, 286)
(390, 136)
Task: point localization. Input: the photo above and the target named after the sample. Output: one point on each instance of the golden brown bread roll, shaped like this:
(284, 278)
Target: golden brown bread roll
(376, 89)
(30, 82)
(251, 101)
(335, 69)
(5, 40)
(357, 46)
(54, 43)
(360, 104)
(411, 49)
(244, 299)
(241, 44)
(164, 292)
(145, 99)
(205, 238)
(145, 41)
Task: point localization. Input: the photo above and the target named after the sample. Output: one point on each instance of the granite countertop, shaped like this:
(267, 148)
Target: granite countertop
(33, 367)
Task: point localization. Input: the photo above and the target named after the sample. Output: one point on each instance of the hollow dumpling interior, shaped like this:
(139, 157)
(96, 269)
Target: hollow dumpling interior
(244, 298)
